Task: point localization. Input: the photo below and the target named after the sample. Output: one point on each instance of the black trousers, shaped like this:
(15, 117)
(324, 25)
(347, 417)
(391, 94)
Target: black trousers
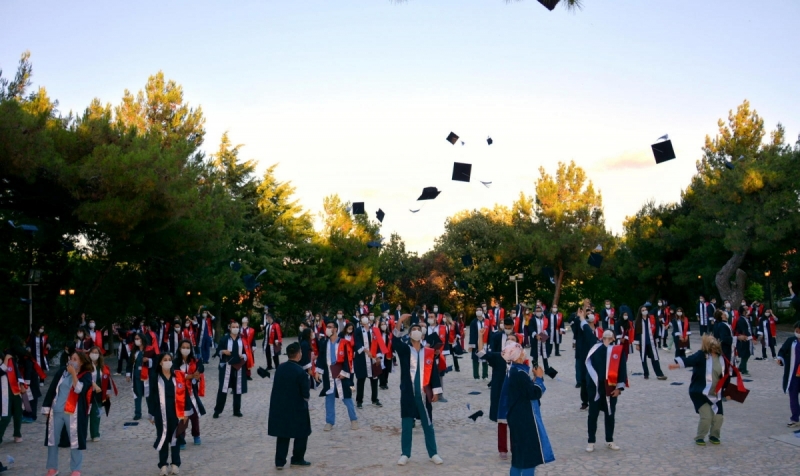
(298, 450)
(163, 454)
(373, 383)
(594, 411)
(558, 350)
(703, 329)
(223, 397)
(383, 379)
(768, 341)
(270, 358)
(648, 353)
(455, 363)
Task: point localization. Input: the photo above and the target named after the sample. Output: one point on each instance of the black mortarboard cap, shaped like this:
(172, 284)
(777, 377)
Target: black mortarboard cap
(452, 138)
(250, 282)
(549, 4)
(358, 208)
(466, 260)
(595, 259)
(476, 415)
(429, 193)
(729, 165)
(373, 244)
(489, 140)
(379, 215)
(461, 172)
(236, 266)
(551, 372)
(663, 151)
(262, 372)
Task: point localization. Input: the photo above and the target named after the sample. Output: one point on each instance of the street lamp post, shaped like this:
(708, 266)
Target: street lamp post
(516, 278)
(33, 279)
(67, 293)
(769, 287)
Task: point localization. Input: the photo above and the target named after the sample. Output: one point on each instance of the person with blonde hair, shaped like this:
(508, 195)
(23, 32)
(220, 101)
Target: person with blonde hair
(710, 373)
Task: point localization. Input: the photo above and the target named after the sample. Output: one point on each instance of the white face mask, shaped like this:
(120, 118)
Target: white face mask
(91, 325)
(554, 310)
(80, 335)
(234, 330)
(508, 332)
(608, 306)
(744, 304)
(435, 309)
(644, 313)
(539, 314)
(424, 330)
(188, 324)
(94, 356)
(41, 331)
(364, 321)
(727, 305)
(767, 313)
(680, 313)
(383, 327)
(513, 315)
(416, 335)
(205, 314)
(797, 335)
(502, 326)
(244, 322)
(371, 318)
(186, 352)
(328, 332)
(479, 314)
(137, 342)
(430, 322)
(590, 318)
(339, 316)
(166, 365)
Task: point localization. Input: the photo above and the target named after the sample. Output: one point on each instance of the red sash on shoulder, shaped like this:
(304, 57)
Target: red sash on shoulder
(652, 321)
(13, 379)
(429, 354)
(105, 378)
(180, 394)
(72, 399)
(345, 349)
(598, 331)
(685, 327)
(378, 343)
(38, 369)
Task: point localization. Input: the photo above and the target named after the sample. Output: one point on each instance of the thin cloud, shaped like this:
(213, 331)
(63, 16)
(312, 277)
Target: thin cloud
(640, 159)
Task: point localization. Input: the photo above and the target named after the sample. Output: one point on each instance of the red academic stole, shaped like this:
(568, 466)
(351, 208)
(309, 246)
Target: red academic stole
(429, 354)
(72, 400)
(192, 368)
(735, 321)
(188, 334)
(180, 394)
(165, 338)
(631, 334)
(104, 380)
(612, 372)
(442, 334)
(209, 328)
(38, 370)
(611, 317)
(598, 332)
(545, 326)
(98, 340)
(378, 343)
(247, 341)
(344, 349)
(44, 345)
(685, 327)
(13, 379)
(652, 321)
(772, 329)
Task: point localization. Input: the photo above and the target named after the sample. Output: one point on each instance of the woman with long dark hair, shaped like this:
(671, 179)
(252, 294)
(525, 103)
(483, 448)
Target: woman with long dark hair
(167, 407)
(66, 405)
(139, 371)
(193, 370)
(103, 385)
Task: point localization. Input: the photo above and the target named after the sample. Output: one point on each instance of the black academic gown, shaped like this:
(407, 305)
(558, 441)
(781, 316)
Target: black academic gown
(161, 407)
(360, 360)
(324, 369)
(724, 334)
(408, 408)
(596, 375)
(499, 366)
(79, 426)
(527, 450)
(288, 403)
(744, 328)
(700, 385)
(229, 377)
(786, 354)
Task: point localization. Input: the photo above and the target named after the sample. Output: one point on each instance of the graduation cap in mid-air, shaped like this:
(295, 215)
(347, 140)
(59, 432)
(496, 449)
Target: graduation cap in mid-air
(429, 193)
(551, 372)
(379, 215)
(729, 165)
(549, 273)
(251, 282)
(476, 415)
(549, 4)
(374, 244)
(486, 184)
(466, 260)
(358, 208)
(461, 171)
(662, 150)
(235, 266)
(595, 259)
(452, 138)
(28, 228)
(489, 140)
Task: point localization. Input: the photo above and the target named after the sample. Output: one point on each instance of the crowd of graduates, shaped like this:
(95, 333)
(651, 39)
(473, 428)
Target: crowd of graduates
(338, 353)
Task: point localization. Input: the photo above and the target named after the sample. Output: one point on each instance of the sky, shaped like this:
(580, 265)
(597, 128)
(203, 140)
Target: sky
(356, 97)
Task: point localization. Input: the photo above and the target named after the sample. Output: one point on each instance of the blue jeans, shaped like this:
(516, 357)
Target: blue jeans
(521, 472)
(205, 348)
(61, 420)
(330, 409)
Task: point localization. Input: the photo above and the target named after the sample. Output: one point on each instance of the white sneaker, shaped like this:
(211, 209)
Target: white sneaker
(354, 424)
(164, 471)
(328, 427)
(590, 447)
(403, 460)
(175, 470)
(612, 446)
(436, 459)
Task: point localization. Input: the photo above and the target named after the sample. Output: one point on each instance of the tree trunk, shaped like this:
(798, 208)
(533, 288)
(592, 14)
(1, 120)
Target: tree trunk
(559, 279)
(733, 292)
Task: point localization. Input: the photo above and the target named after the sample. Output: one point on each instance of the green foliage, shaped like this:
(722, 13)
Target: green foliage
(754, 292)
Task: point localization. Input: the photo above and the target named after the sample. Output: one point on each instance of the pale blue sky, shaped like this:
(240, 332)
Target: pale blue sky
(357, 97)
